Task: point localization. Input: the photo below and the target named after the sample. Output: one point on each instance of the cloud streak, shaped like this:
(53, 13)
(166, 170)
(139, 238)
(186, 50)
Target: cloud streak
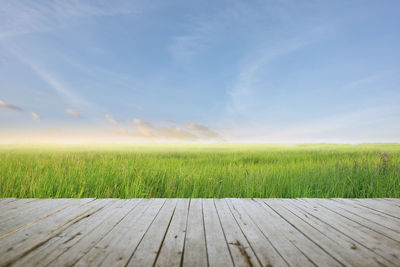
(28, 16)
(51, 80)
(148, 131)
(203, 31)
(73, 113)
(243, 89)
(203, 131)
(35, 117)
(111, 119)
(9, 106)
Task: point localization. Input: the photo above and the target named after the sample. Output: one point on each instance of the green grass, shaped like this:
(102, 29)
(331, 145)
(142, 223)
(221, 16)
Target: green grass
(130, 171)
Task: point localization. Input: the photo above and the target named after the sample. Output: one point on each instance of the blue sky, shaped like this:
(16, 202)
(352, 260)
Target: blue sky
(200, 71)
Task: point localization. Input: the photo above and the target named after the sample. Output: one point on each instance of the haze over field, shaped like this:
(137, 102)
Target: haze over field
(199, 71)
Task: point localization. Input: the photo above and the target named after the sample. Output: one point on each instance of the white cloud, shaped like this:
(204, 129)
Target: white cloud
(35, 116)
(73, 113)
(204, 131)
(9, 106)
(111, 119)
(194, 131)
(144, 128)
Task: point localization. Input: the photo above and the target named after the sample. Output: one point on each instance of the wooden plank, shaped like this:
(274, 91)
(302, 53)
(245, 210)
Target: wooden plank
(200, 232)
(16, 206)
(67, 237)
(122, 252)
(49, 208)
(13, 204)
(389, 203)
(383, 246)
(392, 211)
(273, 232)
(339, 246)
(195, 251)
(310, 249)
(395, 201)
(356, 217)
(149, 247)
(96, 254)
(217, 247)
(24, 217)
(6, 201)
(336, 235)
(265, 252)
(171, 252)
(355, 204)
(390, 223)
(241, 251)
(14, 246)
(76, 251)
(124, 246)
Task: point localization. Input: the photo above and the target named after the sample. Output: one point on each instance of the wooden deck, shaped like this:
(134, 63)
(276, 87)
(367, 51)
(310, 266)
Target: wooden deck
(200, 232)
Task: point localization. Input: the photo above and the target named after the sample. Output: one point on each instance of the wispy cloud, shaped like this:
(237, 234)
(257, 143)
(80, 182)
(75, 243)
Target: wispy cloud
(49, 78)
(361, 125)
(144, 128)
(35, 116)
(9, 106)
(243, 90)
(203, 31)
(29, 16)
(203, 131)
(111, 119)
(73, 113)
(194, 132)
(364, 81)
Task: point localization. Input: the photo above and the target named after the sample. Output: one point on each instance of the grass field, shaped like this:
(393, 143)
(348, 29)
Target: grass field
(128, 171)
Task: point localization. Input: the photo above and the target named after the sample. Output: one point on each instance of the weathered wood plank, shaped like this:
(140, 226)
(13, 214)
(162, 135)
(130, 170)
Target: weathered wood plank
(265, 252)
(24, 217)
(217, 247)
(341, 237)
(395, 201)
(171, 252)
(123, 249)
(96, 254)
(195, 252)
(6, 201)
(274, 233)
(199, 232)
(65, 238)
(14, 246)
(390, 223)
(383, 246)
(356, 217)
(241, 251)
(75, 251)
(147, 251)
(12, 204)
(373, 204)
(335, 243)
(312, 251)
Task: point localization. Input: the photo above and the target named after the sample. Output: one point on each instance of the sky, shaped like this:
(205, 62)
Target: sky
(274, 71)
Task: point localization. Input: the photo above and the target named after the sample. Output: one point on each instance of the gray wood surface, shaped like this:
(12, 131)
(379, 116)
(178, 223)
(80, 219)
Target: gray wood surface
(199, 232)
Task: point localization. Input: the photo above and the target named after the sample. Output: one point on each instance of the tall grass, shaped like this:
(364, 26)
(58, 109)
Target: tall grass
(200, 171)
